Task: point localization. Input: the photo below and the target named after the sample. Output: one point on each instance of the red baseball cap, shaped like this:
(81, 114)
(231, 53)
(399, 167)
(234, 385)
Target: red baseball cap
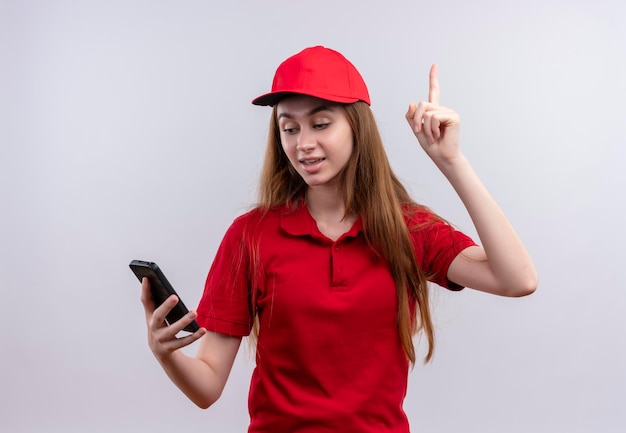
(319, 72)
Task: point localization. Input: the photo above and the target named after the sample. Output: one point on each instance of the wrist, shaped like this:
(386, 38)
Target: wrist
(451, 165)
(167, 358)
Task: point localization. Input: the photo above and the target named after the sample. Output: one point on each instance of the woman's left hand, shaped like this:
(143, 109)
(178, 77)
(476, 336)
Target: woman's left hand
(437, 128)
(502, 265)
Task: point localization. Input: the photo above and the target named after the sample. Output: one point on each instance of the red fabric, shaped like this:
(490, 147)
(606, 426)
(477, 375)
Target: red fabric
(319, 72)
(329, 356)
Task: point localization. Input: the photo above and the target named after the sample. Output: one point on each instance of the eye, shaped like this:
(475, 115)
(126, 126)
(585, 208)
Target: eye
(290, 131)
(289, 128)
(321, 125)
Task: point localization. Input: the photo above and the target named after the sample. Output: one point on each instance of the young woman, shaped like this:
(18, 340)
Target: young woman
(330, 271)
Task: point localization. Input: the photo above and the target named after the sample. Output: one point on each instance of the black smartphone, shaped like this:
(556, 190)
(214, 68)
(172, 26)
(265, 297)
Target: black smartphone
(161, 289)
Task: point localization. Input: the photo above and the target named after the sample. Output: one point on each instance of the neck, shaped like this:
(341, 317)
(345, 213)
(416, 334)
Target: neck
(328, 209)
(325, 203)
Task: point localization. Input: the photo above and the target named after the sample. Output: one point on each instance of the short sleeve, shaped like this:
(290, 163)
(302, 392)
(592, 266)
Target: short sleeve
(225, 306)
(436, 245)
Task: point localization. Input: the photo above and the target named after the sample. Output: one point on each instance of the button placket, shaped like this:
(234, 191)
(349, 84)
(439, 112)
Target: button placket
(338, 281)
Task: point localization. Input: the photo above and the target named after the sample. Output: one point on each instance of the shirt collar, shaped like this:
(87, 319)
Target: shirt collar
(296, 220)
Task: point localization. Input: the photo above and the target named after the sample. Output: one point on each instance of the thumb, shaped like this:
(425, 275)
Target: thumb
(146, 297)
(410, 117)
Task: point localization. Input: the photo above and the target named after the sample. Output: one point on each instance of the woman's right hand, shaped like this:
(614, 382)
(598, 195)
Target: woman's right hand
(162, 338)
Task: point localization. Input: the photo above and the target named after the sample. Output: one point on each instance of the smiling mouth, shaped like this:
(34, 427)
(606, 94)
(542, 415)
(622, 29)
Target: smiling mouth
(311, 161)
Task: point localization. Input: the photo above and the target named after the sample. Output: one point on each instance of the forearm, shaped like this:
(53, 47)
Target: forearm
(512, 270)
(194, 377)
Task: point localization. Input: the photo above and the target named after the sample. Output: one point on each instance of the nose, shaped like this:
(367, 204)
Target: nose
(306, 140)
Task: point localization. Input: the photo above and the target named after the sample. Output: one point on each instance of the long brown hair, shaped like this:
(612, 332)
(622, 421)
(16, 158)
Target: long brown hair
(367, 178)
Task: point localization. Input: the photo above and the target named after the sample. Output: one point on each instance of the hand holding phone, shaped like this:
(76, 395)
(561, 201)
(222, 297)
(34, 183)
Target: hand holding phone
(161, 289)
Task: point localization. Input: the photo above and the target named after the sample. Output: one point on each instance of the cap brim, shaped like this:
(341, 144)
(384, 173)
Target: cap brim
(270, 99)
(274, 98)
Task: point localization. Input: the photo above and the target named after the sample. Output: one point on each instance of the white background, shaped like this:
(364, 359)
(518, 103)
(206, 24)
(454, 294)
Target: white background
(126, 131)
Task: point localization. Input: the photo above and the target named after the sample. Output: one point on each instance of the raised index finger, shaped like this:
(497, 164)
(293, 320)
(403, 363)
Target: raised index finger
(433, 90)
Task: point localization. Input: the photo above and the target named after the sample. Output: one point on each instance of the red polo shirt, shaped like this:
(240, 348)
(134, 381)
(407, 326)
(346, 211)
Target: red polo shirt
(329, 356)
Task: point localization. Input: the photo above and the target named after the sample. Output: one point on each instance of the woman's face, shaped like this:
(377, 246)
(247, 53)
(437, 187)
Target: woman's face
(316, 137)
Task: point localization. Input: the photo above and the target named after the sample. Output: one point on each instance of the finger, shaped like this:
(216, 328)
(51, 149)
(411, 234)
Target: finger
(422, 117)
(181, 323)
(167, 338)
(410, 117)
(440, 120)
(158, 316)
(188, 339)
(435, 127)
(433, 90)
(427, 128)
(178, 343)
(146, 296)
(411, 111)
